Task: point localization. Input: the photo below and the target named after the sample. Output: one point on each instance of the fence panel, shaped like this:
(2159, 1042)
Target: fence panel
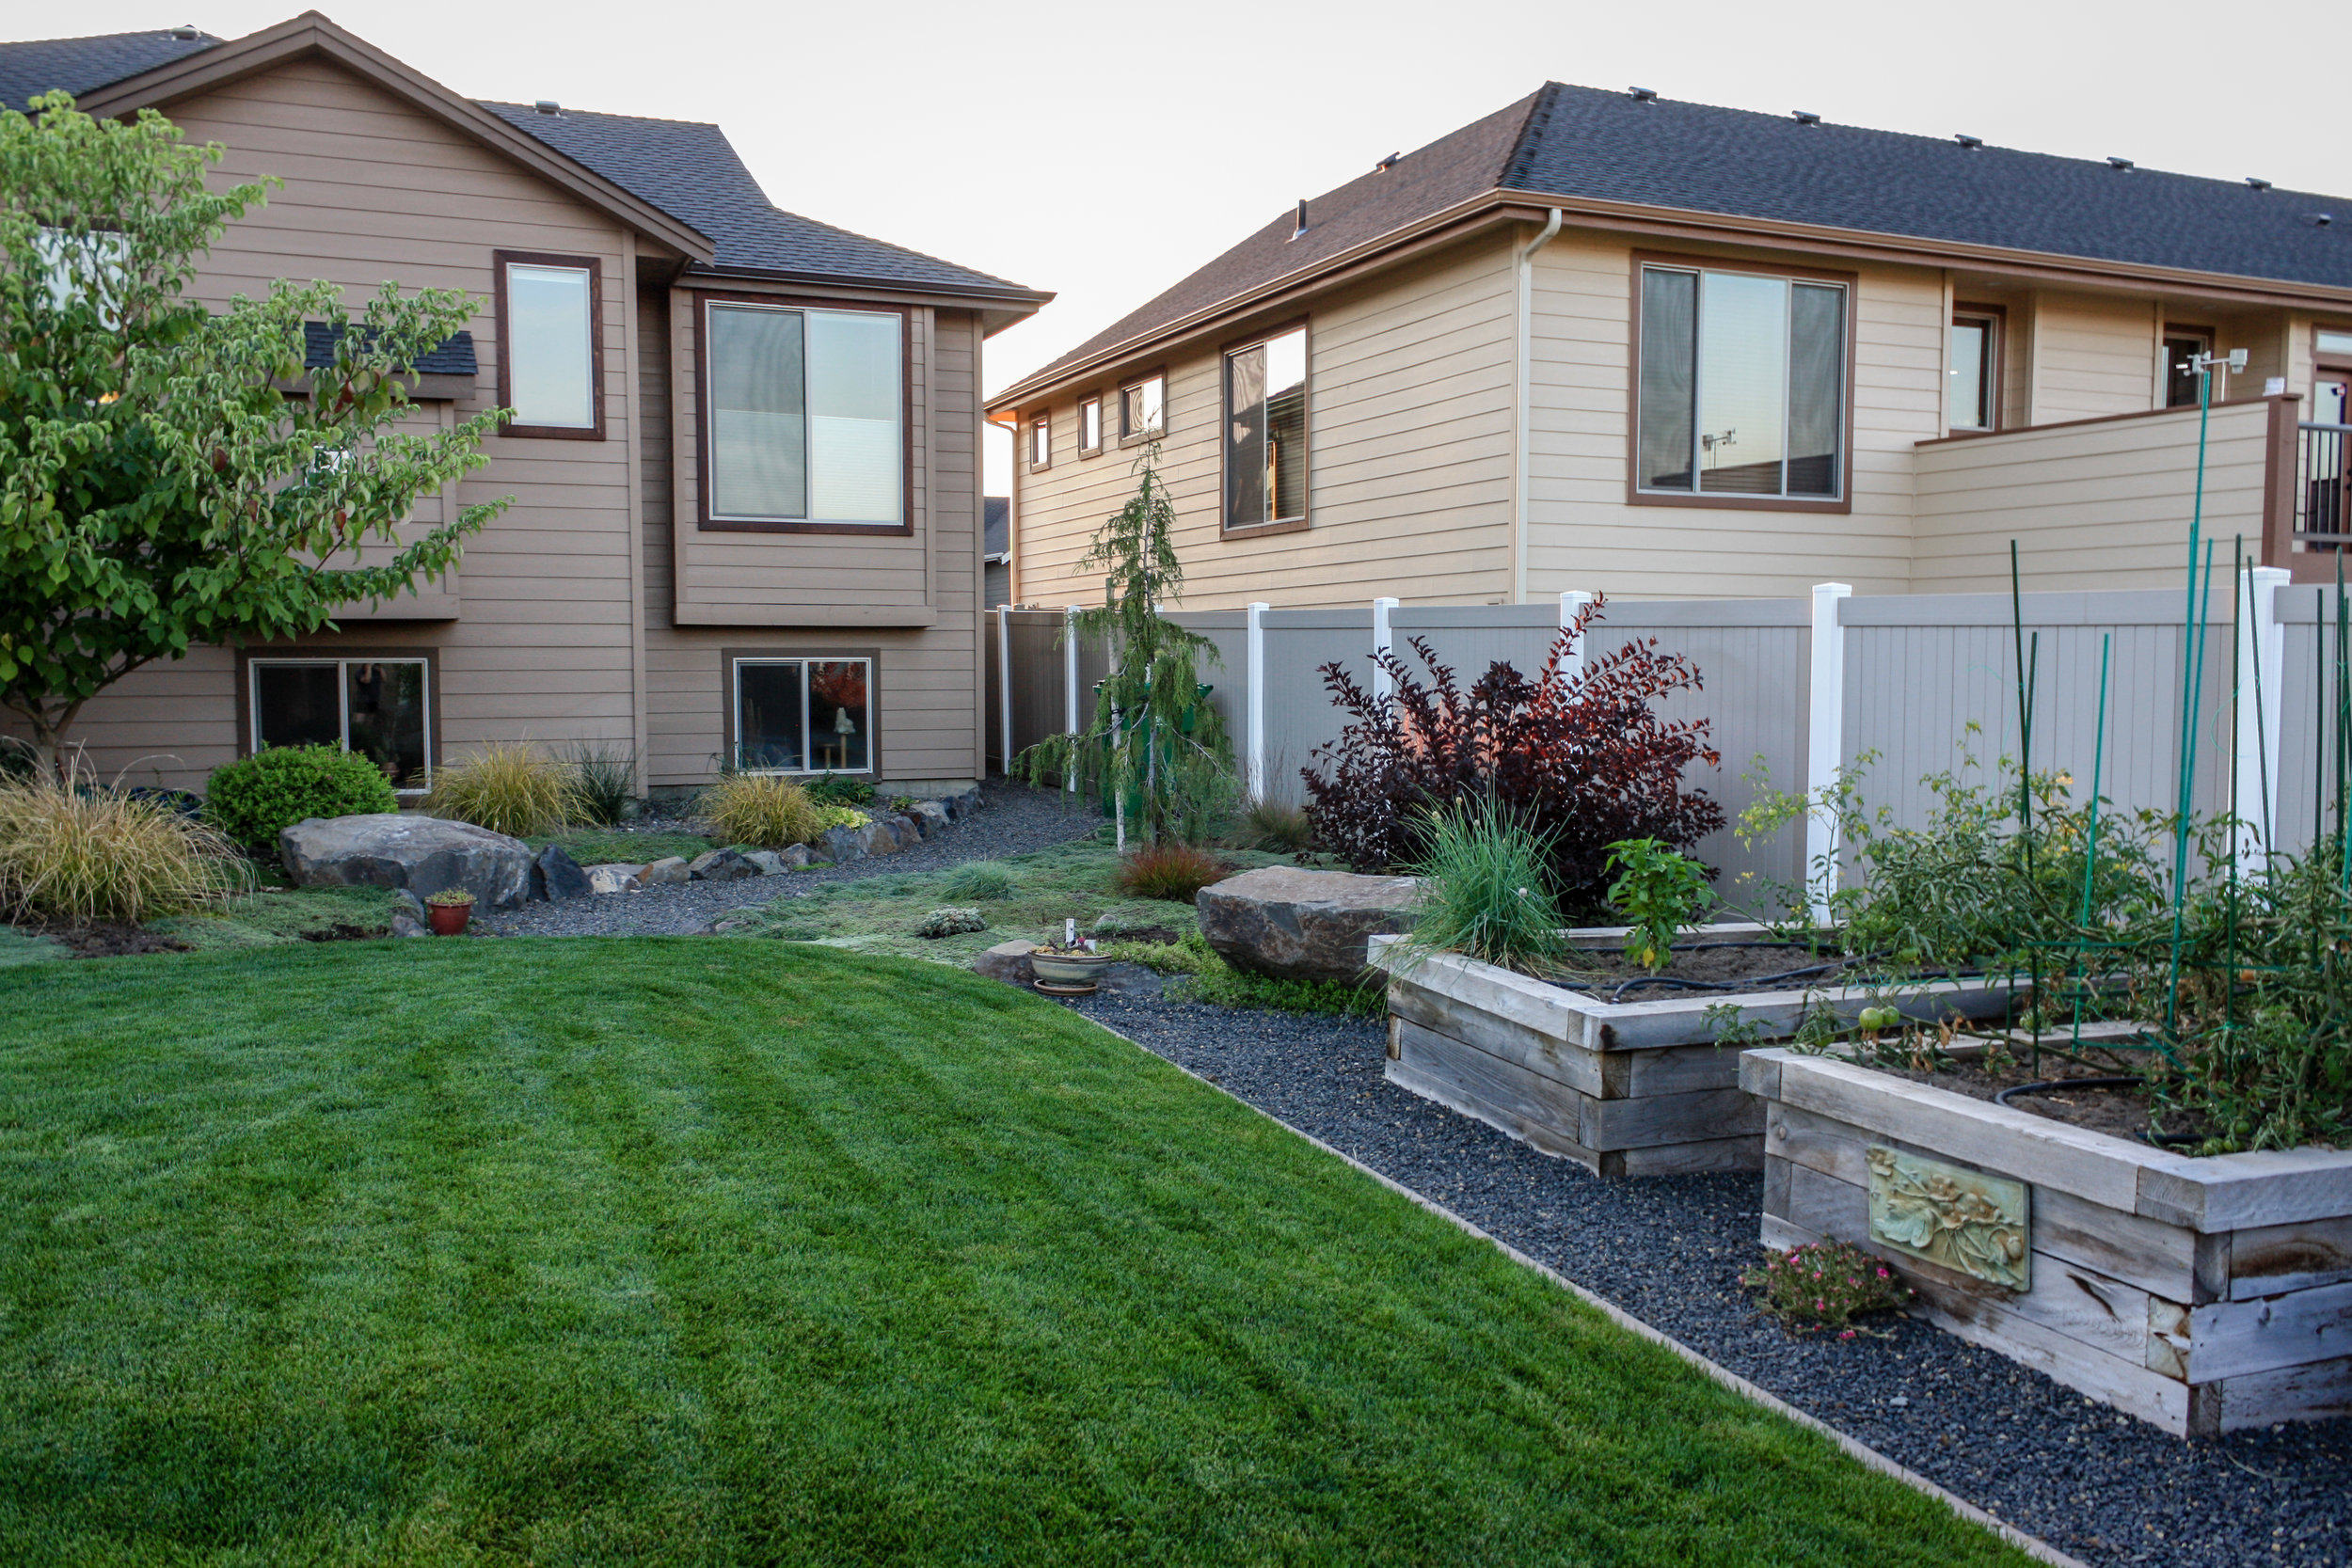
(1468, 638)
(1299, 714)
(1226, 675)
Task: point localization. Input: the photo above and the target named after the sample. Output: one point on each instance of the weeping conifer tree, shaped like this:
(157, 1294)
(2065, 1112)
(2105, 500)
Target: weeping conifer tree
(1153, 738)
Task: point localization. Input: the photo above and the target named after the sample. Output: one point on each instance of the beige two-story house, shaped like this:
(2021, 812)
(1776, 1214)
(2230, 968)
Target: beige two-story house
(1604, 340)
(744, 456)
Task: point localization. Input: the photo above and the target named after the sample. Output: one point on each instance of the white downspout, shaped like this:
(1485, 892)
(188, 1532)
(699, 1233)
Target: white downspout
(1523, 267)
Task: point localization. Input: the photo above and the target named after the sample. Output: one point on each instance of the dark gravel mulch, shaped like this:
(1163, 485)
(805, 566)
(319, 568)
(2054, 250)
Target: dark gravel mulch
(2101, 1485)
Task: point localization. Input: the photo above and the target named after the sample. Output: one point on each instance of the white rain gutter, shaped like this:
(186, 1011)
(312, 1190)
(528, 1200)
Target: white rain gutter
(1523, 266)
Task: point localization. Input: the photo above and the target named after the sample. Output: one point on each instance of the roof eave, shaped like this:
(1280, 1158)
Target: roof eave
(312, 33)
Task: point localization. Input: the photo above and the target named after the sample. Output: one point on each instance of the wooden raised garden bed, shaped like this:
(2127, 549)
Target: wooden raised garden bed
(1625, 1088)
(2202, 1294)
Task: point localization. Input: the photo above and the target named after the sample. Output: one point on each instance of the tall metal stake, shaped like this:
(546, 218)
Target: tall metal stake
(2091, 847)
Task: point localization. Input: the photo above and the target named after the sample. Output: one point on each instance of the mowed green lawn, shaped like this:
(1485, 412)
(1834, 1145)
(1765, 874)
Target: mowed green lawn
(686, 1251)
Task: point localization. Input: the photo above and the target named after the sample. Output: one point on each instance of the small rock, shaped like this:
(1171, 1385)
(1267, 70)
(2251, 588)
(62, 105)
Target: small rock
(614, 877)
(407, 903)
(406, 925)
(720, 865)
(556, 875)
(750, 917)
(797, 856)
(842, 844)
(1008, 961)
(768, 863)
(1900, 1402)
(931, 818)
(667, 872)
(950, 922)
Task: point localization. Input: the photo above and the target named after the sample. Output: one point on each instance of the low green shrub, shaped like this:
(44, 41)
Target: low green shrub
(1660, 891)
(833, 789)
(1484, 890)
(255, 799)
(1206, 978)
(1825, 1285)
(72, 850)
(953, 921)
(1176, 872)
(507, 787)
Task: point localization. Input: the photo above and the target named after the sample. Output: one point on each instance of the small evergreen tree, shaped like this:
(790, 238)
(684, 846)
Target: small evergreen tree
(1154, 738)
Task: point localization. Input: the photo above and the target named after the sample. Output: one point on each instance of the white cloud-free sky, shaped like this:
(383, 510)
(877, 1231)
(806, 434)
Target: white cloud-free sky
(1104, 152)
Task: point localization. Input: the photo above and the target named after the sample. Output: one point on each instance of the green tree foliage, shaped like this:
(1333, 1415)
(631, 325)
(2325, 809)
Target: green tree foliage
(170, 474)
(1153, 738)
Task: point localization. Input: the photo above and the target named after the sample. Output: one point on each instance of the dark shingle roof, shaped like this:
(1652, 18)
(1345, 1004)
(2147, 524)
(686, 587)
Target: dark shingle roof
(995, 525)
(1582, 142)
(452, 355)
(690, 170)
(79, 66)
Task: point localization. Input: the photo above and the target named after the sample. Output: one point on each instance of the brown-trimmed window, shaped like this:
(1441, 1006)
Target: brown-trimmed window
(2181, 345)
(1973, 389)
(1742, 385)
(1041, 441)
(1265, 430)
(1143, 409)
(380, 707)
(803, 714)
(550, 355)
(805, 415)
(1089, 426)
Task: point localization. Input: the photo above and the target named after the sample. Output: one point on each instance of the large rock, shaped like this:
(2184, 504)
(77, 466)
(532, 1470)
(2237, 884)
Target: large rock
(842, 844)
(1008, 961)
(667, 872)
(721, 865)
(556, 875)
(1301, 924)
(399, 849)
(931, 818)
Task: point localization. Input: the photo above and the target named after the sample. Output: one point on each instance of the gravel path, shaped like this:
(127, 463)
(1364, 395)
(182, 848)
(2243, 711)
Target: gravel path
(2090, 1482)
(1013, 819)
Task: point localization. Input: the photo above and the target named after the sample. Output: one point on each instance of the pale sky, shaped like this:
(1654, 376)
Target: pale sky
(1104, 152)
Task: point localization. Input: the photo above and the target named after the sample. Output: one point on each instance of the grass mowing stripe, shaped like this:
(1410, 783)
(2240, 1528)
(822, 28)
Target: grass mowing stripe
(593, 1251)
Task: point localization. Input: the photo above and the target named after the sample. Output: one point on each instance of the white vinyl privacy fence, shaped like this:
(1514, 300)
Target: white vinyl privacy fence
(1898, 687)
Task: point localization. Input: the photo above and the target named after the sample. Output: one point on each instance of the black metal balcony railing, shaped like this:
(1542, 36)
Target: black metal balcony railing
(2323, 489)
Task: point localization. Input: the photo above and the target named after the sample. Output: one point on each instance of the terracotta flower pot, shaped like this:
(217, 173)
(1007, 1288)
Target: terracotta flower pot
(448, 920)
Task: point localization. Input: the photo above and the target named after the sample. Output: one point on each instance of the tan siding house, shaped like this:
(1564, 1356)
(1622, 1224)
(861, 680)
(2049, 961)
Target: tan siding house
(604, 606)
(1897, 356)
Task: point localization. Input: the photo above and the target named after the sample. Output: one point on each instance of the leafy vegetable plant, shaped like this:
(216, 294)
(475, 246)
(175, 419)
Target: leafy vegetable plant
(1659, 891)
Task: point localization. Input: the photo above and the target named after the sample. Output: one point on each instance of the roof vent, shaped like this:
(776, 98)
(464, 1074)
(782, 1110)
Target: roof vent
(1805, 116)
(1971, 143)
(1301, 227)
(1643, 95)
(549, 107)
(186, 32)
(1386, 163)
(2258, 185)
(2118, 162)
(2321, 220)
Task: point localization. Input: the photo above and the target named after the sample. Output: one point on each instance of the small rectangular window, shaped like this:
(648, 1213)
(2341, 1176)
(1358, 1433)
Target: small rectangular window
(1973, 375)
(2181, 345)
(804, 414)
(2334, 342)
(1741, 384)
(803, 716)
(1265, 430)
(548, 345)
(1143, 409)
(1089, 426)
(1041, 441)
(374, 707)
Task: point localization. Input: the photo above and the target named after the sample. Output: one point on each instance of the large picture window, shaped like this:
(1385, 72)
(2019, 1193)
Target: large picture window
(1742, 385)
(379, 707)
(548, 350)
(1265, 430)
(803, 714)
(805, 415)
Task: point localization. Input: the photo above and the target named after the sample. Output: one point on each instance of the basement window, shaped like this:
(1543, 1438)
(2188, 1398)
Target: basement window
(803, 714)
(379, 707)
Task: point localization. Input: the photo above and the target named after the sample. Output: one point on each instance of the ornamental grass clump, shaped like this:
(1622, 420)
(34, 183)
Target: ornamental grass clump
(770, 811)
(978, 880)
(1176, 872)
(72, 850)
(508, 788)
(604, 781)
(1825, 1285)
(1486, 891)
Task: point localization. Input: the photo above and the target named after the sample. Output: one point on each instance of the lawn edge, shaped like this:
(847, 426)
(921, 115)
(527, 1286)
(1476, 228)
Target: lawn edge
(2033, 1546)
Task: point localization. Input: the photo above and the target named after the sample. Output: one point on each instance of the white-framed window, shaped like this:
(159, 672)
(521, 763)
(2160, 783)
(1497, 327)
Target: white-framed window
(1742, 385)
(1041, 441)
(379, 706)
(1265, 430)
(806, 420)
(548, 359)
(1089, 426)
(1143, 408)
(803, 714)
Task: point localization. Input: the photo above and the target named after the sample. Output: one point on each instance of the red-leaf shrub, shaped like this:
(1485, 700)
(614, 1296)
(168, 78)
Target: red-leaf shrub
(1171, 871)
(1587, 761)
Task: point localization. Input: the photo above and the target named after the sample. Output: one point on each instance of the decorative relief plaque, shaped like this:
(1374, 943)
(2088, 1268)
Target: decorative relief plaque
(1963, 1220)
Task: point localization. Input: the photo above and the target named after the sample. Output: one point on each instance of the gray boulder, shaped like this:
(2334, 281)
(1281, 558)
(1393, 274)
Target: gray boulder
(842, 844)
(407, 903)
(1300, 924)
(556, 875)
(930, 817)
(1008, 961)
(721, 865)
(401, 849)
(614, 877)
(406, 925)
(767, 863)
(667, 872)
(962, 803)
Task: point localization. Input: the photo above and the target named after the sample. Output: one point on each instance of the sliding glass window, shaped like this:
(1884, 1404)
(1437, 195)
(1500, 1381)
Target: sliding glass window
(374, 707)
(1742, 385)
(803, 716)
(805, 415)
(1265, 430)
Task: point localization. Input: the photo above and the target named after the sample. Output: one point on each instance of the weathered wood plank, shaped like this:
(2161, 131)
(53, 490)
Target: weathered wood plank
(2315, 1391)
(2229, 1338)
(1496, 1035)
(1669, 1118)
(2267, 1261)
(1828, 1206)
(1499, 1093)
(1635, 1026)
(2238, 1191)
(1775, 1185)
(1531, 1004)
(1759, 1073)
(2128, 1385)
(1712, 1154)
(1675, 1069)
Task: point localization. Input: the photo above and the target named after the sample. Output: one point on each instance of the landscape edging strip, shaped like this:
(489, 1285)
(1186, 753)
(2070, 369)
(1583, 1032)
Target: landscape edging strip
(2032, 1546)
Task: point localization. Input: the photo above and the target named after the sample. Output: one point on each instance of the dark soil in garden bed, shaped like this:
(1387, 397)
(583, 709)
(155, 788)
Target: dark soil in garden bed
(1731, 966)
(2125, 1112)
(105, 940)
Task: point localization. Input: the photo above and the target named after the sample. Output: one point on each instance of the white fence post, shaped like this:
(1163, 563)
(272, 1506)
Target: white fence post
(1826, 742)
(1572, 604)
(1254, 652)
(1069, 686)
(2261, 645)
(1004, 680)
(1383, 642)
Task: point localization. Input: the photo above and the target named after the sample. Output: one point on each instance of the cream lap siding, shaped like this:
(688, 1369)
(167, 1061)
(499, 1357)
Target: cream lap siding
(2094, 355)
(1583, 533)
(375, 189)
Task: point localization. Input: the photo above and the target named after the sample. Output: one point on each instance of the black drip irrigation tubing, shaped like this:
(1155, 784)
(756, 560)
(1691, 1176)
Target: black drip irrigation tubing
(2162, 1140)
